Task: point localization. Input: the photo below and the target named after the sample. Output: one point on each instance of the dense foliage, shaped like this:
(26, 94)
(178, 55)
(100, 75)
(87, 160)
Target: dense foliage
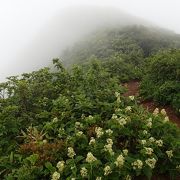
(123, 50)
(162, 80)
(77, 125)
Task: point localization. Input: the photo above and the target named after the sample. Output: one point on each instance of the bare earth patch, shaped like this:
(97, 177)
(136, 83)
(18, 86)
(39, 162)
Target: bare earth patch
(150, 105)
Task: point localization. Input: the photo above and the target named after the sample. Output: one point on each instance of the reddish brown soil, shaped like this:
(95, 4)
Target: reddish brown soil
(133, 90)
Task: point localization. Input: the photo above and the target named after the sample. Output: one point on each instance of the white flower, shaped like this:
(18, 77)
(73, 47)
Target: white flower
(119, 161)
(178, 167)
(92, 141)
(125, 152)
(159, 143)
(149, 120)
(151, 162)
(114, 116)
(152, 139)
(145, 132)
(107, 170)
(71, 152)
(156, 111)
(60, 166)
(109, 132)
(108, 148)
(55, 176)
(79, 133)
(78, 125)
(149, 151)
(118, 100)
(131, 98)
(143, 142)
(99, 132)
(149, 124)
(163, 112)
(84, 172)
(117, 94)
(117, 110)
(99, 178)
(109, 141)
(166, 119)
(55, 120)
(138, 164)
(122, 121)
(90, 117)
(90, 158)
(128, 177)
(169, 153)
(128, 108)
(45, 141)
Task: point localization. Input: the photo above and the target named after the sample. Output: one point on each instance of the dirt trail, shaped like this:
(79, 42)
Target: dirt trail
(133, 90)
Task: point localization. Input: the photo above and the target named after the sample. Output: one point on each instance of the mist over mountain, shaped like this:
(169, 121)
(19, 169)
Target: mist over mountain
(68, 27)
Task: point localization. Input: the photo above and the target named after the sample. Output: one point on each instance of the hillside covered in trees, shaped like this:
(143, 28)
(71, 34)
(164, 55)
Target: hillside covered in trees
(74, 122)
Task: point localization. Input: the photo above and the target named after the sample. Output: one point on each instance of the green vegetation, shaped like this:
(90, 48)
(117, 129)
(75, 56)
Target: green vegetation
(123, 50)
(162, 80)
(76, 124)
(70, 124)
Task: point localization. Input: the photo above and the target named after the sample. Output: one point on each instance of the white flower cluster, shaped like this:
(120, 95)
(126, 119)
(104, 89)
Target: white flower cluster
(151, 139)
(109, 132)
(55, 120)
(108, 146)
(79, 133)
(60, 166)
(83, 172)
(145, 132)
(118, 97)
(149, 151)
(156, 112)
(92, 141)
(122, 121)
(55, 176)
(125, 152)
(71, 152)
(90, 117)
(128, 177)
(149, 123)
(178, 167)
(138, 164)
(114, 117)
(166, 119)
(78, 125)
(143, 141)
(119, 161)
(163, 112)
(99, 178)
(128, 108)
(107, 170)
(131, 98)
(90, 158)
(169, 153)
(99, 132)
(159, 142)
(118, 110)
(151, 162)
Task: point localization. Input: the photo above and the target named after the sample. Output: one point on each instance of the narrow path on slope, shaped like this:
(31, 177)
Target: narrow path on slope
(133, 90)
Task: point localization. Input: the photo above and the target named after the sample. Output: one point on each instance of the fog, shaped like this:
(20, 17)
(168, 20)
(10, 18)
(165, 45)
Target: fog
(34, 31)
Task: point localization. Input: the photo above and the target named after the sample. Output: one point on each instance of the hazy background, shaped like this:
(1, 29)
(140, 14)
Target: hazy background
(32, 32)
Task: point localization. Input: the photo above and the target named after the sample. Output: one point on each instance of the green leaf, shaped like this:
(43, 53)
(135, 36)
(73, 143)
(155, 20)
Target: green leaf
(147, 172)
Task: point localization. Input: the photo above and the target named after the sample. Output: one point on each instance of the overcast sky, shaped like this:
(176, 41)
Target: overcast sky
(22, 20)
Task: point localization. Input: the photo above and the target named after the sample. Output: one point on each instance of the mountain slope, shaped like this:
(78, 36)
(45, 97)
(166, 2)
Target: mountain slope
(138, 41)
